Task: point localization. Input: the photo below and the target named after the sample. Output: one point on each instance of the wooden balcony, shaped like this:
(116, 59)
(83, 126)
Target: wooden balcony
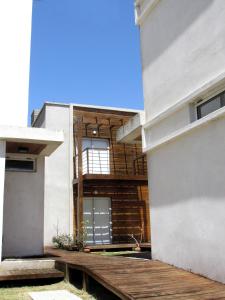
(106, 164)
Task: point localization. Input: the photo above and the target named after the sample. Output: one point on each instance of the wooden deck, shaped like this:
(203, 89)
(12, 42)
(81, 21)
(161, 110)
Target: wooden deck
(118, 246)
(16, 275)
(140, 279)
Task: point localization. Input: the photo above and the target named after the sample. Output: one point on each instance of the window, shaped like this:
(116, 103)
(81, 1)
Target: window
(95, 156)
(20, 165)
(206, 107)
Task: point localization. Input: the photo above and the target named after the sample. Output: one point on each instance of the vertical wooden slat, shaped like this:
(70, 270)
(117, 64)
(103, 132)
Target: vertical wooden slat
(112, 146)
(80, 178)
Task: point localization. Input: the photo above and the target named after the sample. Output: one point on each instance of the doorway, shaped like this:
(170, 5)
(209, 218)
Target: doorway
(97, 219)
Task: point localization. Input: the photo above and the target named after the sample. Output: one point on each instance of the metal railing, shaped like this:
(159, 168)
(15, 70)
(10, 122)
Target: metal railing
(105, 161)
(140, 165)
(96, 161)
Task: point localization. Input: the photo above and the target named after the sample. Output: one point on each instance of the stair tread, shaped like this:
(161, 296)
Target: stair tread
(30, 274)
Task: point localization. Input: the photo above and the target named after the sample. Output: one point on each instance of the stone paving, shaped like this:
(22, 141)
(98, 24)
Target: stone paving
(53, 295)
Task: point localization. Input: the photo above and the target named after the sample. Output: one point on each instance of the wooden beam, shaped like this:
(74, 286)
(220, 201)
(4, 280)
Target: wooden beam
(80, 179)
(115, 177)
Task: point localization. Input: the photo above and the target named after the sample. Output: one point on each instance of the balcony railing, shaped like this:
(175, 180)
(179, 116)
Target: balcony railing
(96, 161)
(140, 165)
(106, 161)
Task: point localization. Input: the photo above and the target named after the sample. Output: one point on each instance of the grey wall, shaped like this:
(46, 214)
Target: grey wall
(58, 208)
(23, 220)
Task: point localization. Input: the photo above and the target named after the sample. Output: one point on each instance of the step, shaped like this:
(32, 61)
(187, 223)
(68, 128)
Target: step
(26, 264)
(12, 275)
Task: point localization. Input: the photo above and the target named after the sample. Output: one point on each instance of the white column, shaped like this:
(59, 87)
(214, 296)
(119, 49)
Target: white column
(2, 183)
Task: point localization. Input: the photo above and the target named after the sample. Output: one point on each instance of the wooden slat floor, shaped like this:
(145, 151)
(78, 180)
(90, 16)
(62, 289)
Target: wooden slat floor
(14, 275)
(119, 246)
(142, 279)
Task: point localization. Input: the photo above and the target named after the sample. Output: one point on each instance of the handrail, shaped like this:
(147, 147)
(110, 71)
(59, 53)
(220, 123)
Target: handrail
(99, 161)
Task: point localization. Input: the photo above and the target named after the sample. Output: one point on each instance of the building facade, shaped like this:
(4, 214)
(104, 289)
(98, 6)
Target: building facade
(93, 181)
(183, 54)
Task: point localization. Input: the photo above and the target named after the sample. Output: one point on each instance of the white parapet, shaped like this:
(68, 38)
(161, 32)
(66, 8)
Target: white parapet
(131, 131)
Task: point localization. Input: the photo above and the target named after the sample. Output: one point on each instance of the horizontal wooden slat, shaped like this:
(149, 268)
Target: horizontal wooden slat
(13, 275)
(125, 223)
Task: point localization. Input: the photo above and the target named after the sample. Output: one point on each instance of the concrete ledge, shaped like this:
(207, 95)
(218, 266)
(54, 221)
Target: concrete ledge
(131, 130)
(187, 129)
(27, 264)
(199, 94)
(143, 8)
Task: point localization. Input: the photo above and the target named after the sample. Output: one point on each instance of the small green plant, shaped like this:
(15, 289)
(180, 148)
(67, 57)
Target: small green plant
(81, 236)
(63, 241)
(69, 242)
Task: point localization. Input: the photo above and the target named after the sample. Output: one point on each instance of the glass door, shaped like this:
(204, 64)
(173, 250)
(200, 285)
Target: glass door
(97, 217)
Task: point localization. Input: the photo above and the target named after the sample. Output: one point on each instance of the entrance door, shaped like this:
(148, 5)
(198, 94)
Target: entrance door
(97, 217)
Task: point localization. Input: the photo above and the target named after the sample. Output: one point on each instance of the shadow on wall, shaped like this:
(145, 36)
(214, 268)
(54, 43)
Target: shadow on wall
(165, 16)
(190, 168)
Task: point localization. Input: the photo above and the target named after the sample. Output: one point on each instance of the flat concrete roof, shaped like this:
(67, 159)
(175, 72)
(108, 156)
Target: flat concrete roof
(93, 106)
(50, 138)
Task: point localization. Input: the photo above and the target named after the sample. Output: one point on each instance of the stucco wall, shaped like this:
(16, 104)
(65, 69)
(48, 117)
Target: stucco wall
(188, 201)
(173, 122)
(23, 221)
(182, 58)
(180, 51)
(58, 210)
(2, 184)
(15, 33)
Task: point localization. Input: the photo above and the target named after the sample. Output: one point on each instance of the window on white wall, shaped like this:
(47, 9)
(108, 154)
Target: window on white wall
(20, 165)
(207, 106)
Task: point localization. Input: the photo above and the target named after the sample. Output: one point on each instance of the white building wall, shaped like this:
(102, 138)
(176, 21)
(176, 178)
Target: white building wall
(2, 183)
(58, 210)
(15, 36)
(183, 54)
(180, 51)
(24, 212)
(188, 201)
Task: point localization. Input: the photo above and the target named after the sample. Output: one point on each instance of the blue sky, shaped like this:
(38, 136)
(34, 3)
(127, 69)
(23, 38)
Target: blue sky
(85, 52)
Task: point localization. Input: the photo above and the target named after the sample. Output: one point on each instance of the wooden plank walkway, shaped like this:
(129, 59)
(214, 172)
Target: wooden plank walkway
(15, 275)
(141, 279)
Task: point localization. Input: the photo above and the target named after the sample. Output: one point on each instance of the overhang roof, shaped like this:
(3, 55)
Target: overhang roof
(47, 141)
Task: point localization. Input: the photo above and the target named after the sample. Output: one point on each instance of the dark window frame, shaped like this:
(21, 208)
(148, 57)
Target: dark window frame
(202, 103)
(18, 168)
